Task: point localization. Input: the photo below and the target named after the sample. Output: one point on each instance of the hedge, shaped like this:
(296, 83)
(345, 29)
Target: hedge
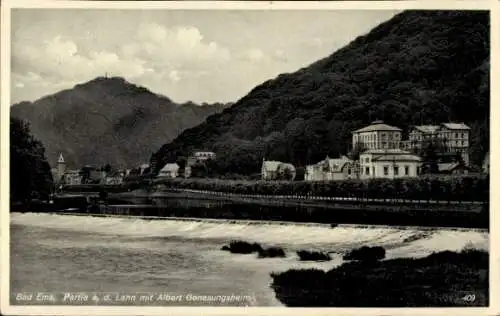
(464, 188)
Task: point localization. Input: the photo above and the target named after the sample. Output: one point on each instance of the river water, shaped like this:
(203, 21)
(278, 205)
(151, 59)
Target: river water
(64, 253)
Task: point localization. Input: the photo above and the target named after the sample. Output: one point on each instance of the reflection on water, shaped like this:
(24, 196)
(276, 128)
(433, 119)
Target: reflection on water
(83, 253)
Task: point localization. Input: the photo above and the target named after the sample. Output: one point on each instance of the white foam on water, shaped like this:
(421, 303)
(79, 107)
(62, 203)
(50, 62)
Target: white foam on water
(292, 237)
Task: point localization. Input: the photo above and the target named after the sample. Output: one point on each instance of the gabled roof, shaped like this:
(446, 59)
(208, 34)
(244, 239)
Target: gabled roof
(170, 167)
(391, 155)
(378, 126)
(427, 128)
(450, 166)
(337, 164)
(385, 151)
(455, 126)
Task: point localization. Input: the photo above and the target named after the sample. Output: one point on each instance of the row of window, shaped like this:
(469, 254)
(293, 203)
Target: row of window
(383, 145)
(386, 170)
(395, 135)
(420, 136)
(459, 143)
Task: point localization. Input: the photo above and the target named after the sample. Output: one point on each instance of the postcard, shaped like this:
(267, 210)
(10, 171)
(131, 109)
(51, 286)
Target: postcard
(249, 157)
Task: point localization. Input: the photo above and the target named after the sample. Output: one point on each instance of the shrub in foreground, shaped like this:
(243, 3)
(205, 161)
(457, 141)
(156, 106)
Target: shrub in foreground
(438, 280)
(305, 255)
(243, 247)
(272, 252)
(366, 254)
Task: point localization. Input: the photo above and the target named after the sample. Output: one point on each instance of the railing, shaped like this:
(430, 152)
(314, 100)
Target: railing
(330, 198)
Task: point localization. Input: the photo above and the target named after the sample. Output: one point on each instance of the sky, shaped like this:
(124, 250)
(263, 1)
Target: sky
(186, 55)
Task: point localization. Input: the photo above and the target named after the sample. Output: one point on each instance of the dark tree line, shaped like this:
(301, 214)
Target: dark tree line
(30, 175)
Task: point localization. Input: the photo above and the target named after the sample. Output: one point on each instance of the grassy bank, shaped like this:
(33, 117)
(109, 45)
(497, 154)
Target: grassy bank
(444, 279)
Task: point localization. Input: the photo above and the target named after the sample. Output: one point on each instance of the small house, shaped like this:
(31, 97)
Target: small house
(453, 168)
(170, 170)
(331, 169)
(277, 170)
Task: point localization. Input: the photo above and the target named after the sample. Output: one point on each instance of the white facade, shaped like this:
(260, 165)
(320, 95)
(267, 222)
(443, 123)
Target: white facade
(204, 155)
(454, 137)
(170, 170)
(390, 164)
(377, 136)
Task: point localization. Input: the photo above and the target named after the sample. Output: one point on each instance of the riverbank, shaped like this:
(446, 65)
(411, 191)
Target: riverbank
(189, 203)
(445, 279)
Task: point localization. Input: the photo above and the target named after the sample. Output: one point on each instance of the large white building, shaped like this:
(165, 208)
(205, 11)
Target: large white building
(453, 136)
(388, 163)
(378, 135)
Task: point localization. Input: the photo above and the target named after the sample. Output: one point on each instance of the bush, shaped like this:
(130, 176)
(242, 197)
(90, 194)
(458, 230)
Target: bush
(366, 254)
(305, 255)
(463, 188)
(439, 280)
(242, 247)
(272, 252)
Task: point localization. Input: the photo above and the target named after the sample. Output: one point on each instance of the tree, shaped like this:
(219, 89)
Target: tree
(107, 168)
(85, 174)
(30, 174)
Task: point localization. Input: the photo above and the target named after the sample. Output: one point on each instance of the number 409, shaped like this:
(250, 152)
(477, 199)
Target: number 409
(469, 298)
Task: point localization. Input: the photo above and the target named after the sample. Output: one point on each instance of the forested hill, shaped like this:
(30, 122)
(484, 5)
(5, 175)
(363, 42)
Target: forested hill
(420, 67)
(108, 121)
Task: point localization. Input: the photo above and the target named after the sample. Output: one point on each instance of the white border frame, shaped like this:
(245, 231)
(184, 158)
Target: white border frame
(7, 5)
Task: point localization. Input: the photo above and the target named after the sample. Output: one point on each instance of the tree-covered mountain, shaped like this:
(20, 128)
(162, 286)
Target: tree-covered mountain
(420, 67)
(108, 121)
(30, 175)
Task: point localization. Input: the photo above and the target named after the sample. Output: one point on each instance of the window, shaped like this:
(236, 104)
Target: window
(367, 170)
(349, 171)
(407, 170)
(386, 170)
(456, 135)
(396, 170)
(367, 159)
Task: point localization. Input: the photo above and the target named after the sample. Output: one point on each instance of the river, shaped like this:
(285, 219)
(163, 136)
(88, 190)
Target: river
(64, 253)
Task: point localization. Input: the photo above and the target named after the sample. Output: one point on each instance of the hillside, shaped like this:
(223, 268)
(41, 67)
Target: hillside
(419, 67)
(108, 120)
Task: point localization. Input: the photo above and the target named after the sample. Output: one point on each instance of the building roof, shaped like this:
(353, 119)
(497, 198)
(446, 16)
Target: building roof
(378, 126)
(391, 155)
(144, 166)
(457, 126)
(397, 157)
(170, 167)
(427, 128)
(61, 159)
(204, 152)
(449, 166)
(385, 151)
